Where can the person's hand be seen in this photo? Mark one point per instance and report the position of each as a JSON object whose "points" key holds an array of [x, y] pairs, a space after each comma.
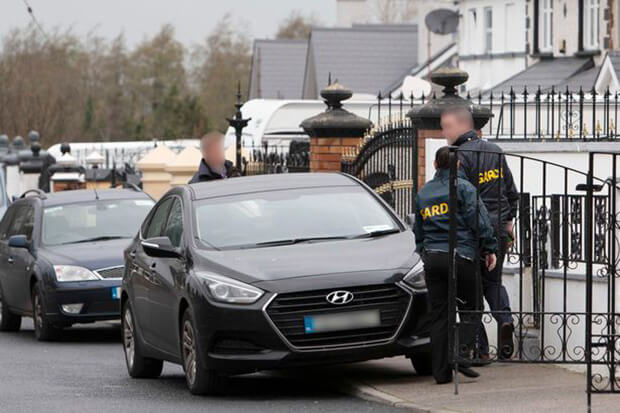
{"points": [[510, 228], [490, 261]]}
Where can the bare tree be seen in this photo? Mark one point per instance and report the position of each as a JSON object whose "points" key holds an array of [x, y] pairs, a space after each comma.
{"points": [[296, 26], [395, 11]]}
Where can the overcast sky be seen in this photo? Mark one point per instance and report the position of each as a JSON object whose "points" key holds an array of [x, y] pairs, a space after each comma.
{"points": [[193, 19]]}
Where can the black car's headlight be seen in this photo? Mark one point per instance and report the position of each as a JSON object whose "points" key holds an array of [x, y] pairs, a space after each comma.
{"points": [[68, 273], [227, 290], [416, 278]]}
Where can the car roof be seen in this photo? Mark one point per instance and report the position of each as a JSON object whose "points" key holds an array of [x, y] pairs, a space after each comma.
{"points": [[271, 182], [84, 195]]}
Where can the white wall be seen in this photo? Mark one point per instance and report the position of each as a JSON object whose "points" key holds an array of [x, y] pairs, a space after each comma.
{"points": [[509, 36]]}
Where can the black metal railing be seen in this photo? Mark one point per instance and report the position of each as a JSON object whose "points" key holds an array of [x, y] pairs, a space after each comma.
{"points": [[276, 159], [528, 115]]}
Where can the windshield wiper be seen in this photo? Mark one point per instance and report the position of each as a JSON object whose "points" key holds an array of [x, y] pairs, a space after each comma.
{"points": [[297, 241], [94, 239], [379, 233]]}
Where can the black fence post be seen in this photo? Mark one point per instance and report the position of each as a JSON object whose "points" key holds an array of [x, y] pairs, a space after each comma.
{"points": [[452, 278], [238, 123]]}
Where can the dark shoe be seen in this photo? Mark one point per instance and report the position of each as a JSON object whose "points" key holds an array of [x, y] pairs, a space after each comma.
{"points": [[506, 346], [467, 372], [481, 361]]}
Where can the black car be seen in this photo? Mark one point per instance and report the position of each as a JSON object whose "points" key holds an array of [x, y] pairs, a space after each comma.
{"points": [[61, 256], [269, 272]]}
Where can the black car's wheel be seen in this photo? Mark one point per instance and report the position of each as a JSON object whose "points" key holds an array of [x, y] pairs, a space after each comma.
{"points": [[8, 320], [44, 329], [200, 380], [138, 366], [422, 364]]}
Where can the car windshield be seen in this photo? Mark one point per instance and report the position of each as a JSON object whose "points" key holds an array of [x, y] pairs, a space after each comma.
{"points": [[92, 221], [291, 216]]}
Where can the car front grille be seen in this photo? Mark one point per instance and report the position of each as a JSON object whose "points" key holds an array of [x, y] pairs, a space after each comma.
{"points": [[287, 312], [114, 272]]}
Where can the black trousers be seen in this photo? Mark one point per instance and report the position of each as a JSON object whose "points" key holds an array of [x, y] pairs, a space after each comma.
{"points": [[469, 297]]}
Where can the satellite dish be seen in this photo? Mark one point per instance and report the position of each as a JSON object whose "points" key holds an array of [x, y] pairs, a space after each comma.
{"points": [[416, 86], [442, 21]]}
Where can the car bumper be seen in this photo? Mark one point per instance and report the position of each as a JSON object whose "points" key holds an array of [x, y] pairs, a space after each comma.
{"points": [[256, 343], [100, 301]]}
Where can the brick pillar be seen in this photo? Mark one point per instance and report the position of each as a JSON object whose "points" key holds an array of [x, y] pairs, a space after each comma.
{"points": [[427, 117], [334, 131]]}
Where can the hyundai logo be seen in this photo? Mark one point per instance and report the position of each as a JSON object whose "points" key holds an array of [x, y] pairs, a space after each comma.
{"points": [[339, 297]]}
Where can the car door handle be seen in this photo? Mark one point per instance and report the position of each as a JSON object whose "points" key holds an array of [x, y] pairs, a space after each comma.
{"points": [[10, 260], [132, 254], [153, 265]]}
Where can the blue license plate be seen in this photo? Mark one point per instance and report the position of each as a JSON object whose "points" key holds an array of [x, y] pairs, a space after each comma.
{"points": [[342, 321], [116, 293]]}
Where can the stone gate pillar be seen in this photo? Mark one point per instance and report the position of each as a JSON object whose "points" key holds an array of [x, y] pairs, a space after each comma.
{"points": [[426, 117], [333, 131]]}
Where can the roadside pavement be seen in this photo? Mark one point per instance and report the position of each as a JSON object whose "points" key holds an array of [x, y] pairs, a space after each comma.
{"points": [[500, 388]]}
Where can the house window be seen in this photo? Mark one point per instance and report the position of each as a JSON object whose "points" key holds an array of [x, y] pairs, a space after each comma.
{"points": [[546, 26], [591, 25], [488, 29]]}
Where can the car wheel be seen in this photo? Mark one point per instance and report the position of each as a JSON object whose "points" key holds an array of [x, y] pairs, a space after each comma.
{"points": [[138, 366], [200, 380], [44, 330], [8, 320], [422, 364]]}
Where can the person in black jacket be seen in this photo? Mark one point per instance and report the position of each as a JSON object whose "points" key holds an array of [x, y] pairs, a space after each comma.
{"points": [[485, 167], [431, 229], [213, 164]]}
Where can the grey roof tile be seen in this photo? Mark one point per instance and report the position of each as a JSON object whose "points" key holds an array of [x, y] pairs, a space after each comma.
{"points": [[556, 73], [278, 69], [364, 58]]}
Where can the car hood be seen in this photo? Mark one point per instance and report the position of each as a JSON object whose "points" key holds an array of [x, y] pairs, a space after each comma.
{"points": [[395, 251], [91, 255]]}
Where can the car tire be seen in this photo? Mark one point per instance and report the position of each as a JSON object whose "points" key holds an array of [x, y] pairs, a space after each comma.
{"points": [[200, 380], [8, 320], [138, 366], [44, 329], [422, 364]]}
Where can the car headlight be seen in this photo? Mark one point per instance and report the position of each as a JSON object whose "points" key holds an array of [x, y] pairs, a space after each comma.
{"points": [[67, 273], [227, 290], [416, 278]]}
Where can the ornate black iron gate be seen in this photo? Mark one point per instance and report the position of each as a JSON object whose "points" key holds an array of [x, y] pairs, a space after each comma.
{"points": [[559, 274], [387, 161]]}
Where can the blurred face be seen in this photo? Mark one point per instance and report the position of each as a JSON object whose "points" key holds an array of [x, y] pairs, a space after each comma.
{"points": [[213, 152], [453, 126]]}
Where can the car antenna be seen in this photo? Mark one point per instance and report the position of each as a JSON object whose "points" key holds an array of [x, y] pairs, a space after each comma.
{"points": [[96, 194]]}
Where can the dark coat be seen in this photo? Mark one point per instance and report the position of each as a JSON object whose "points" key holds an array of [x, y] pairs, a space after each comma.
{"points": [[486, 167], [205, 173], [432, 221]]}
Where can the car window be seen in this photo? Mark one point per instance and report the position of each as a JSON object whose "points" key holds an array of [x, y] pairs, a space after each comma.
{"points": [[174, 228], [91, 220], [6, 222], [22, 222], [158, 220]]}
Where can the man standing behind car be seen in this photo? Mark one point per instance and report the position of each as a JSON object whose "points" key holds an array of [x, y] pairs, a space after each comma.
{"points": [[213, 164], [487, 170], [432, 236]]}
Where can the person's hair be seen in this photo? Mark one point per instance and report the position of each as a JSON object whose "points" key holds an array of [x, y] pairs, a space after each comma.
{"points": [[210, 137], [460, 112], [442, 157]]}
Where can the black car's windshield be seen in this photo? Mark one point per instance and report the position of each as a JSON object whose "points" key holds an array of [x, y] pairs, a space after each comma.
{"points": [[291, 216], [93, 221]]}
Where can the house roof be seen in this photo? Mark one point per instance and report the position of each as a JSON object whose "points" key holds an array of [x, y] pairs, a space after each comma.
{"points": [[557, 72], [614, 57], [278, 69], [584, 80], [364, 58]]}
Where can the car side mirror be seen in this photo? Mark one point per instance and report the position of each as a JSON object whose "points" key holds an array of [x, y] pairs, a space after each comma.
{"points": [[19, 241], [160, 247], [410, 220]]}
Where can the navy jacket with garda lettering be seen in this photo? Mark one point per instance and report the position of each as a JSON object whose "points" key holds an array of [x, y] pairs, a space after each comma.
{"points": [[485, 165], [432, 221]]}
